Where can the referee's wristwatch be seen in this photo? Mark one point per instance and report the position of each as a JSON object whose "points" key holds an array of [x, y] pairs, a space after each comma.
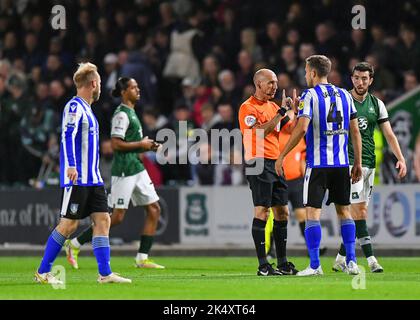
{"points": [[282, 111]]}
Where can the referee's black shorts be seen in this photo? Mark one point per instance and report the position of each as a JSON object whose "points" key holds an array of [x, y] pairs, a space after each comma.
{"points": [[318, 180], [79, 202], [295, 192], [268, 189]]}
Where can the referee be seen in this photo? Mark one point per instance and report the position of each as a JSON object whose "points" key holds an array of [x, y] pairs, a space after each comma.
{"points": [[260, 122]]}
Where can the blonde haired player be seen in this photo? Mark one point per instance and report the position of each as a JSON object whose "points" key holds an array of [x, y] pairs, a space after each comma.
{"points": [[83, 188]]}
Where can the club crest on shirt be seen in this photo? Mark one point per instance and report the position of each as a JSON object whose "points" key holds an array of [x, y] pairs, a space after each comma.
{"points": [[73, 208], [250, 120]]}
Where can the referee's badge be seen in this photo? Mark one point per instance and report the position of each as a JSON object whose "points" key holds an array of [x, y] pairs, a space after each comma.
{"points": [[73, 208], [250, 120]]}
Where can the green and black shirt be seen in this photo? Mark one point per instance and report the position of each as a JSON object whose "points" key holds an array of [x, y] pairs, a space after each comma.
{"points": [[370, 112], [126, 126]]}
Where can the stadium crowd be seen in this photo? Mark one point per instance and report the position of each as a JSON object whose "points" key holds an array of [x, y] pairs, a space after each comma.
{"points": [[194, 62]]}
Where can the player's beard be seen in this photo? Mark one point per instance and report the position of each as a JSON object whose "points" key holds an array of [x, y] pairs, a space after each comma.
{"points": [[310, 83], [361, 92], [96, 94]]}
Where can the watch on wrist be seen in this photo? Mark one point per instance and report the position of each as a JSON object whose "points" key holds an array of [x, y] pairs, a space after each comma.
{"points": [[282, 111]]}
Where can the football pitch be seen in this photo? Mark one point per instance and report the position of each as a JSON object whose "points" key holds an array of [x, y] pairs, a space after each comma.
{"points": [[215, 278]]}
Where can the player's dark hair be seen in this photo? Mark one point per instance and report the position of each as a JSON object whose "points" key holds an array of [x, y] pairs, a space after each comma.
{"points": [[362, 67], [120, 85], [321, 64]]}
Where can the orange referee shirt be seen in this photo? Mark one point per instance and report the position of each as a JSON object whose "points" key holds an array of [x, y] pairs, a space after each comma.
{"points": [[252, 112], [292, 162]]}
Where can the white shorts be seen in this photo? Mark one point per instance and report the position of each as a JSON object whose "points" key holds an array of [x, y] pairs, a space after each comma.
{"points": [[362, 190], [139, 188]]}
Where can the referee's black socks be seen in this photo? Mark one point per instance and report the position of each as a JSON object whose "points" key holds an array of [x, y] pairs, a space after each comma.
{"points": [[258, 234], [280, 239]]}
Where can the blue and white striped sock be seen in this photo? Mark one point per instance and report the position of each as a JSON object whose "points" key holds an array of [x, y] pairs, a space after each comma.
{"points": [[102, 252], [52, 249]]}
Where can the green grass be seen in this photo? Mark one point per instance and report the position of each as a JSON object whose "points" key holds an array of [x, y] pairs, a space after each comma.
{"points": [[209, 278]]}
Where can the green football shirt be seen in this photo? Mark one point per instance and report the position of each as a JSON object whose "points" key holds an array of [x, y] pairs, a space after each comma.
{"points": [[370, 112], [126, 126]]}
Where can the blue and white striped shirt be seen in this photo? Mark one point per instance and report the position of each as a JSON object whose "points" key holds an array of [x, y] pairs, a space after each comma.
{"points": [[330, 110], [79, 144]]}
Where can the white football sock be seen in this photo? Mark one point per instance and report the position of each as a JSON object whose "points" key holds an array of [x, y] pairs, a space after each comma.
{"points": [[75, 243], [142, 256]]}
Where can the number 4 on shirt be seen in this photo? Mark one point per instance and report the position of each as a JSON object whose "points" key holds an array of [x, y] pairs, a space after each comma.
{"points": [[334, 115]]}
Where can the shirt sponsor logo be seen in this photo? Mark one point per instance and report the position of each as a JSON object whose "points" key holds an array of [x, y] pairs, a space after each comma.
{"points": [[335, 132], [363, 123], [301, 105]]}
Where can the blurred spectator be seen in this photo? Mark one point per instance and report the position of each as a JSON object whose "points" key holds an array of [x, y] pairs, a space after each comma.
{"points": [[272, 42], [106, 162], [284, 82], [210, 71], [326, 42], [58, 95], [358, 45], [334, 77], [246, 70], [293, 38], [53, 69], [152, 123], [209, 117], [410, 81], [229, 92], [205, 170], [249, 44], [182, 126], [32, 54], [227, 35], [35, 127], [182, 61], [402, 125], [13, 109], [305, 50], [289, 63], [10, 48], [383, 80], [408, 48]]}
